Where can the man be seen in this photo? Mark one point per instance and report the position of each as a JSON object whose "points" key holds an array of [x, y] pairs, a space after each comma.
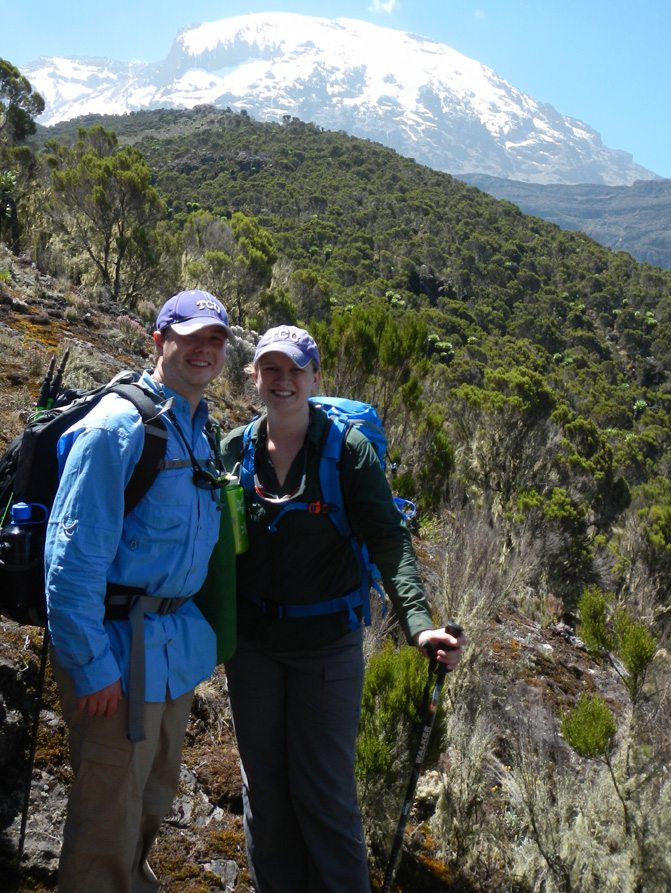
{"points": [[109, 575]]}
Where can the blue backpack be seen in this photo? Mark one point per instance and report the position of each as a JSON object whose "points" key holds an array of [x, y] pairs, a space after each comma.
{"points": [[354, 413], [343, 414]]}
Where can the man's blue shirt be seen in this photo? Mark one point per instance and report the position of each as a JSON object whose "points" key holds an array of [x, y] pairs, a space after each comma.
{"points": [[163, 546]]}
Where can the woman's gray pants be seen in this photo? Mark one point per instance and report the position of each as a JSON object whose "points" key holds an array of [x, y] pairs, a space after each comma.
{"points": [[296, 719]]}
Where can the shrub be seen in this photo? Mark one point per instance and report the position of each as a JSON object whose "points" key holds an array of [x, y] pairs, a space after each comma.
{"points": [[590, 727], [388, 736], [592, 608]]}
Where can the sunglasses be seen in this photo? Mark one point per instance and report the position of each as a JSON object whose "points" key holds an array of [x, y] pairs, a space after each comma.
{"points": [[263, 494]]}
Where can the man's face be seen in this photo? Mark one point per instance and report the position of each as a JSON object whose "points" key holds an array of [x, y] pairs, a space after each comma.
{"points": [[188, 363]]}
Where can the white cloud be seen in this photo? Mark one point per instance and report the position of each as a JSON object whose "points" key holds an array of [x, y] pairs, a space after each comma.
{"points": [[387, 6]]}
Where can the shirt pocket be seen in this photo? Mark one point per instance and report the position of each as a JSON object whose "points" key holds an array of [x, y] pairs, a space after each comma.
{"points": [[167, 510]]}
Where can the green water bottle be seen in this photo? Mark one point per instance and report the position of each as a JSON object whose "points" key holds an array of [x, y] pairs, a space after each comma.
{"points": [[235, 499]]}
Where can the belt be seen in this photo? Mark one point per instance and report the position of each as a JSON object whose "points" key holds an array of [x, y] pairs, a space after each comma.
{"points": [[130, 603], [349, 603]]}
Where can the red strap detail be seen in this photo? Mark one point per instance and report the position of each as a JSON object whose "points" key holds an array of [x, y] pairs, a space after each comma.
{"points": [[317, 507]]}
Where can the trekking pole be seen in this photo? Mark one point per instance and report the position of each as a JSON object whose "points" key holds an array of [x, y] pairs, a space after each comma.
{"points": [[45, 389], [33, 743], [429, 709], [56, 384]]}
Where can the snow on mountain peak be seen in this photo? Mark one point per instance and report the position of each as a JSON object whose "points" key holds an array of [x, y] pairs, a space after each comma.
{"points": [[417, 96]]}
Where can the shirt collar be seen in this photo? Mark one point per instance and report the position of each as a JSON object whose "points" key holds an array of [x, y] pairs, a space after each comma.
{"points": [[180, 404]]}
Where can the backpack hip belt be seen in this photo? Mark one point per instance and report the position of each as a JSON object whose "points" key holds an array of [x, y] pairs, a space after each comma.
{"points": [[130, 603], [349, 603]]}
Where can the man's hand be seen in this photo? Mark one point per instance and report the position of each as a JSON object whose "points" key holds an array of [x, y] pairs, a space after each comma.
{"points": [[101, 703]]}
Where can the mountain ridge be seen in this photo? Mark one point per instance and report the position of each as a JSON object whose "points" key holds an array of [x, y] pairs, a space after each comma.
{"points": [[634, 218]]}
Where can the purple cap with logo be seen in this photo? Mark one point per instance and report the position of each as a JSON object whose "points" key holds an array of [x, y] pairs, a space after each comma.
{"points": [[296, 343], [189, 311]]}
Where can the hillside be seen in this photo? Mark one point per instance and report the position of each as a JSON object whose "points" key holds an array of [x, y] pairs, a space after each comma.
{"points": [[363, 220], [539, 663], [635, 218], [523, 375]]}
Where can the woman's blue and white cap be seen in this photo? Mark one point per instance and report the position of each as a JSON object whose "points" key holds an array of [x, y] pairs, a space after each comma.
{"points": [[189, 311], [296, 343]]}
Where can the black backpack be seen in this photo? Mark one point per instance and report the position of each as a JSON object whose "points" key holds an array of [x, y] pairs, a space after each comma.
{"points": [[29, 480]]}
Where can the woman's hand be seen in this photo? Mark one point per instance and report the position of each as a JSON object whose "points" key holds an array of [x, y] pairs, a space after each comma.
{"points": [[443, 644]]}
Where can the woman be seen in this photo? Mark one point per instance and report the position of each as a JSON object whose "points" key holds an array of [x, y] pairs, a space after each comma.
{"points": [[295, 682]]}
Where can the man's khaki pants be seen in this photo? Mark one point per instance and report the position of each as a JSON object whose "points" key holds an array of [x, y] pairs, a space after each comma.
{"points": [[120, 793]]}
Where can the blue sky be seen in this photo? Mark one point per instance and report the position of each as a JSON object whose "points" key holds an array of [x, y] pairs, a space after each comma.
{"points": [[607, 62]]}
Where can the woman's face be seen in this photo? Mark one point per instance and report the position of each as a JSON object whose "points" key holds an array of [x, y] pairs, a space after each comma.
{"points": [[281, 384]]}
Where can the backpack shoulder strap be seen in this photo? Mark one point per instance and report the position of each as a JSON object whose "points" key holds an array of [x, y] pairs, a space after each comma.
{"points": [[247, 456], [155, 441], [213, 435], [330, 483], [329, 474]]}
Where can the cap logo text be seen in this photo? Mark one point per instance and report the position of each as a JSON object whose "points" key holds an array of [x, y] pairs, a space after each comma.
{"points": [[206, 304], [283, 334]]}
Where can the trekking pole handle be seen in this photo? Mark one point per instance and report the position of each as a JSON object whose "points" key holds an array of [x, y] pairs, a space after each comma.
{"points": [[454, 629]]}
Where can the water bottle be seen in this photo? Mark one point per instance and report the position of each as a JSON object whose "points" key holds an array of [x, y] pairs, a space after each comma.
{"points": [[235, 499], [21, 563], [17, 537]]}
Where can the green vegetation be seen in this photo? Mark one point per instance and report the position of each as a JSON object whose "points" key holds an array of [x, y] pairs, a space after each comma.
{"points": [[632, 754], [106, 211], [614, 633], [392, 714], [590, 727], [19, 104], [391, 718], [524, 376]]}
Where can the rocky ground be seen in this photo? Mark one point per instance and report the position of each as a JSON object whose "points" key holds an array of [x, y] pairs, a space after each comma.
{"points": [[201, 846]]}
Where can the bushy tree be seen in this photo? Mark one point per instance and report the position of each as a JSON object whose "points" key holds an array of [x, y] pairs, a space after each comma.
{"points": [[590, 727], [111, 209], [19, 104], [611, 631], [275, 308], [9, 219], [231, 258], [256, 254]]}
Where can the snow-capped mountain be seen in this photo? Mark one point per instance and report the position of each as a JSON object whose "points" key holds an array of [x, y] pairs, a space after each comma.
{"points": [[421, 98]]}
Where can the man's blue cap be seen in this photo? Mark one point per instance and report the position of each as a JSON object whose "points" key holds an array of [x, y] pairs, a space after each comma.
{"points": [[189, 311], [296, 343]]}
